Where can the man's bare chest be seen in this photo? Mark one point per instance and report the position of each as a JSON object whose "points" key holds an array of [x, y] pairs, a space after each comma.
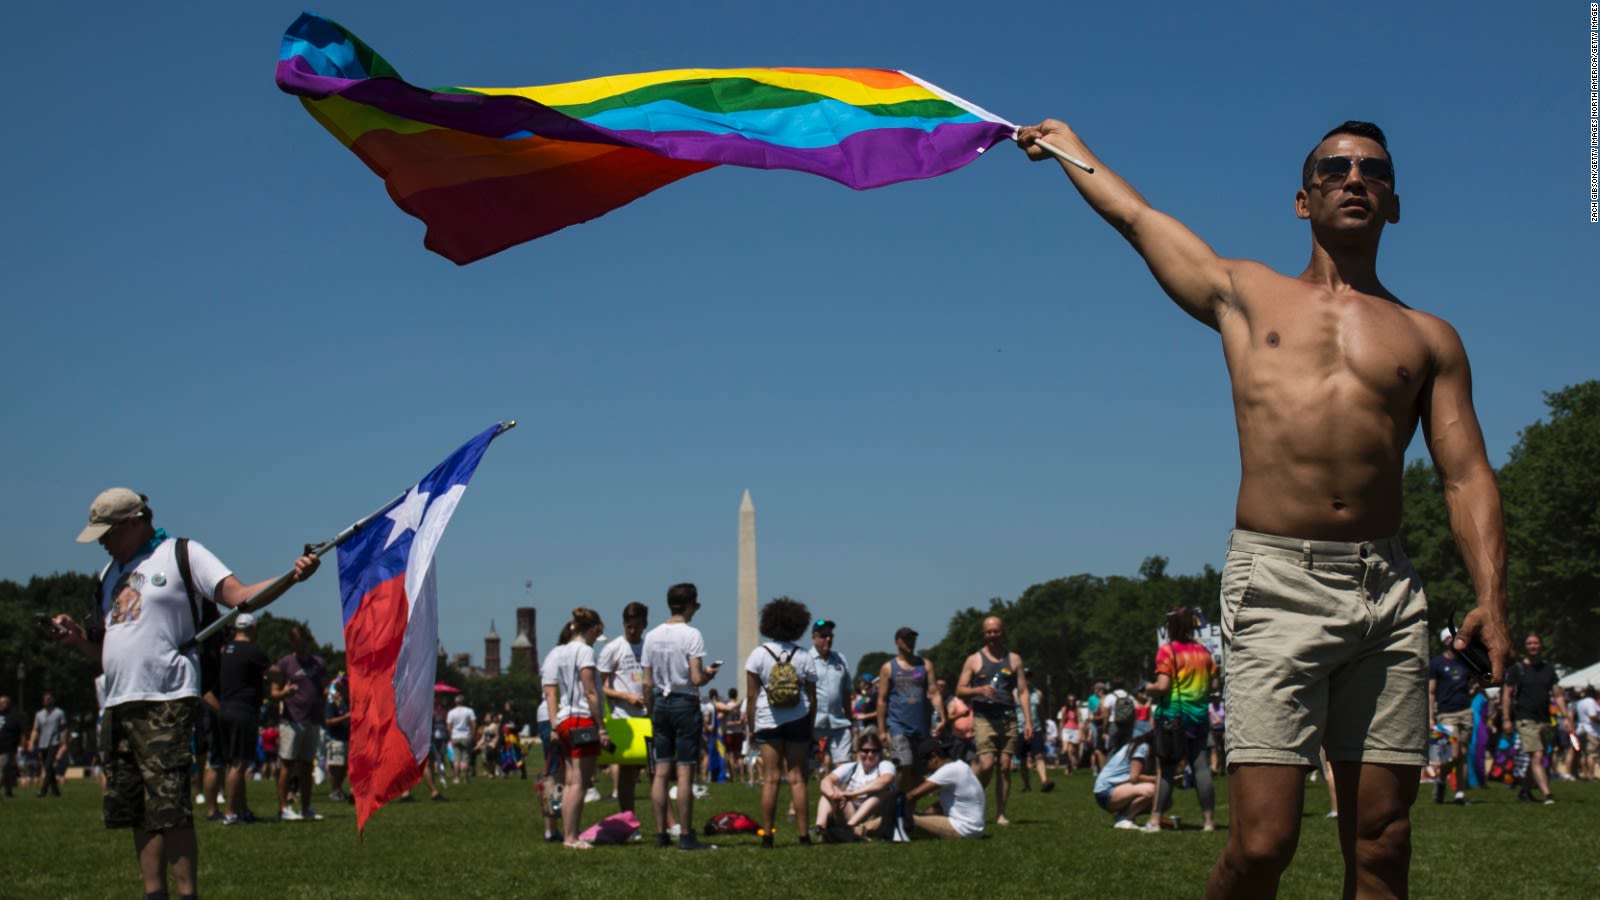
{"points": [[1313, 345]]}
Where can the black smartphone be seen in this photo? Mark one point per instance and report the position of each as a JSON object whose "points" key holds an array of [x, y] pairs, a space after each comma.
{"points": [[1475, 657]]}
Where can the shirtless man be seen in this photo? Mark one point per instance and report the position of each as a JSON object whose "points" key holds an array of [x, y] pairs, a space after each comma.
{"points": [[1331, 375]]}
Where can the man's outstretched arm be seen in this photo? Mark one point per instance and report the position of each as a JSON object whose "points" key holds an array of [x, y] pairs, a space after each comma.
{"points": [[1450, 428], [1191, 273]]}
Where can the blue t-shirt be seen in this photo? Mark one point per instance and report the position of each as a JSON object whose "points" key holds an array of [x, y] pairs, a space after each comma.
{"points": [[1118, 768], [1451, 690]]}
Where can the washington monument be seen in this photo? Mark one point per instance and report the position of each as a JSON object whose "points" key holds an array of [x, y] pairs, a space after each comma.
{"points": [[747, 580]]}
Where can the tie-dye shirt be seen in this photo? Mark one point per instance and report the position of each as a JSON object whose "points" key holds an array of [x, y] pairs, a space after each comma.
{"points": [[1191, 669]]}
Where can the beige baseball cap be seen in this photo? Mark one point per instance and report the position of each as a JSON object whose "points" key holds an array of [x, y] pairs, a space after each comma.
{"points": [[112, 507]]}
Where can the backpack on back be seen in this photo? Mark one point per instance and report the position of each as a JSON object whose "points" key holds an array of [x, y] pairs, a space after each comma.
{"points": [[1122, 713], [783, 682]]}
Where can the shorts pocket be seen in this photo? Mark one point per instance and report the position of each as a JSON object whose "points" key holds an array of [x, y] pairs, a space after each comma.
{"points": [[1237, 574]]}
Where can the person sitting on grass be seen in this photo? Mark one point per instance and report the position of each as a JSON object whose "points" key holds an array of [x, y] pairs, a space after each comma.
{"points": [[855, 795], [1125, 787], [960, 810]]}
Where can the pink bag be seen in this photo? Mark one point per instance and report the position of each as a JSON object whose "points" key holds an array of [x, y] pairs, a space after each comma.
{"points": [[613, 829]]}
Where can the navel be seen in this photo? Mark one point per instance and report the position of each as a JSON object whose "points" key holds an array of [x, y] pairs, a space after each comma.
{"points": [[1272, 339], [1404, 373]]}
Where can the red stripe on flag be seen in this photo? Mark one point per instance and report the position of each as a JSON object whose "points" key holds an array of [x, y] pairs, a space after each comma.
{"points": [[381, 765]]}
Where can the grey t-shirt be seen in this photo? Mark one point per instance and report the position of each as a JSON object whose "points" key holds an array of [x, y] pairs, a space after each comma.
{"points": [[50, 723]]}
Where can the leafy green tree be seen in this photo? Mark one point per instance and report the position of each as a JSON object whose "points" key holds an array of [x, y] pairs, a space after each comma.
{"points": [[1425, 533], [1551, 486], [30, 661], [871, 662]]}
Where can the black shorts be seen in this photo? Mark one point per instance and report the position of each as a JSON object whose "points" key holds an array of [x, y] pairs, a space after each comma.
{"points": [[238, 741], [794, 731], [208, 738]]}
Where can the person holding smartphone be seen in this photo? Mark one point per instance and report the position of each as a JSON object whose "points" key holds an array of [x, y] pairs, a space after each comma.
{"points": [[674, 672]]}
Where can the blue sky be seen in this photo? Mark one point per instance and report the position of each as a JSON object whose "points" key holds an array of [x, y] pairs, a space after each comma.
{"points": [[937, 393]]}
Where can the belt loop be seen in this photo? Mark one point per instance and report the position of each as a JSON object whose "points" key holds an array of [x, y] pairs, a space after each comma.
{"points": [[1305, 554]]}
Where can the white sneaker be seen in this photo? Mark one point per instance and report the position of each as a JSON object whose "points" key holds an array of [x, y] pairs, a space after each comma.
{"points": [[288, 814], [675, 831], [1125, 825], [591, 796]]}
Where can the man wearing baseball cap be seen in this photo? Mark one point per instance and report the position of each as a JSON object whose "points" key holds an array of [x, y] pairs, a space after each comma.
{"points": [[832, 727], [241, 684], [139, 625], [908, 692]]}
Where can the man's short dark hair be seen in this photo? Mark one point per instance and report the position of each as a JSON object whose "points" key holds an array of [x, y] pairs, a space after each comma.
{"points": [[1355, 127], [784, 619], [635, 612], [682, 596]]}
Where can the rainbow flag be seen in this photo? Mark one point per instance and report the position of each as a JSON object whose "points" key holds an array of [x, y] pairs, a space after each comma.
{"points": [[488, 168]]}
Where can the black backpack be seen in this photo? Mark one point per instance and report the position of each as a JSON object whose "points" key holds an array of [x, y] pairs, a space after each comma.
{"points": [[203, 613]]}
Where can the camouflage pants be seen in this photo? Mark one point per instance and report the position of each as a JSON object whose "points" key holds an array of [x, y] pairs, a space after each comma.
{"points": [[148, 757]]}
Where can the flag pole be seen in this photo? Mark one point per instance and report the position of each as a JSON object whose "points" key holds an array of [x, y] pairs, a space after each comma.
{"points": [[285, 581], [1065, 157]]}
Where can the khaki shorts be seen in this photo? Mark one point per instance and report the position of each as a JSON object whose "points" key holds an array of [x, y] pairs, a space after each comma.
{"points": [[1326, 647], [1460, 724], [1531, 733], [996, 735], [338, 752], [299, 742], [147, 765]]}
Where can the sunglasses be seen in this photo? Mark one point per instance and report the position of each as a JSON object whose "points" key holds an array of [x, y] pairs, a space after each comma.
{"points": [[870, 750], [1338, 167]]}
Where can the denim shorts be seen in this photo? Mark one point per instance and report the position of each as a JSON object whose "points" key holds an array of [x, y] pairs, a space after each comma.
{"points": [[676, 725]]}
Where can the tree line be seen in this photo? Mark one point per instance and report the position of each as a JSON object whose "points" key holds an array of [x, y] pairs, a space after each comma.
{"points": [[1075, 630]]}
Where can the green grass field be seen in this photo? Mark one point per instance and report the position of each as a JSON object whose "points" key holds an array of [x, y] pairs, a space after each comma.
{"points": [[485, 842]]}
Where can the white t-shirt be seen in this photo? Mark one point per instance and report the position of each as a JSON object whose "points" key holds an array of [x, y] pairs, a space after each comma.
{"points": [[761, 662], [460, 720], [561, 668], [147, 617], [624, 661], [667, 651], [1587, 712], [961, 797], [854, 776]]}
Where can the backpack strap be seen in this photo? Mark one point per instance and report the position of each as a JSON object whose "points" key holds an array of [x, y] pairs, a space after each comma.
{"points": [[182, 552], [94, 626]]}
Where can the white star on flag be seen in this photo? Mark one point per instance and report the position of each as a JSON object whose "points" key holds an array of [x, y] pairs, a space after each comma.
{"points": [[407, 514]]}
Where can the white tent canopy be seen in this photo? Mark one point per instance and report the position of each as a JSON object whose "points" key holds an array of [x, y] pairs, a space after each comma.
{"points": [[1582, 678]]}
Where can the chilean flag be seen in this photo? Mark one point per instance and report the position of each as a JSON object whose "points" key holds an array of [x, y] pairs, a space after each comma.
{"points": [[391, 629]]}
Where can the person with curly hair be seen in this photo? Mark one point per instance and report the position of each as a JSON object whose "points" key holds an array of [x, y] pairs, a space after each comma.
{"points": [[781, 705]]}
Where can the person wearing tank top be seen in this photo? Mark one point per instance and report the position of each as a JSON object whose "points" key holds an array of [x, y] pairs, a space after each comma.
{"points": [[991, 681], [908, 689]]}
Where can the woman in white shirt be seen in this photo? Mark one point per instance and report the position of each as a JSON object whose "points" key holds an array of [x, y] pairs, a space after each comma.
{"points": [[781, 707], [855, 795], [570, 688]]}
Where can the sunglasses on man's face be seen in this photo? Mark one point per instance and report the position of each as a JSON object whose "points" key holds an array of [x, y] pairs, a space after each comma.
{"points": [[1338, 168], [866, 750]]}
